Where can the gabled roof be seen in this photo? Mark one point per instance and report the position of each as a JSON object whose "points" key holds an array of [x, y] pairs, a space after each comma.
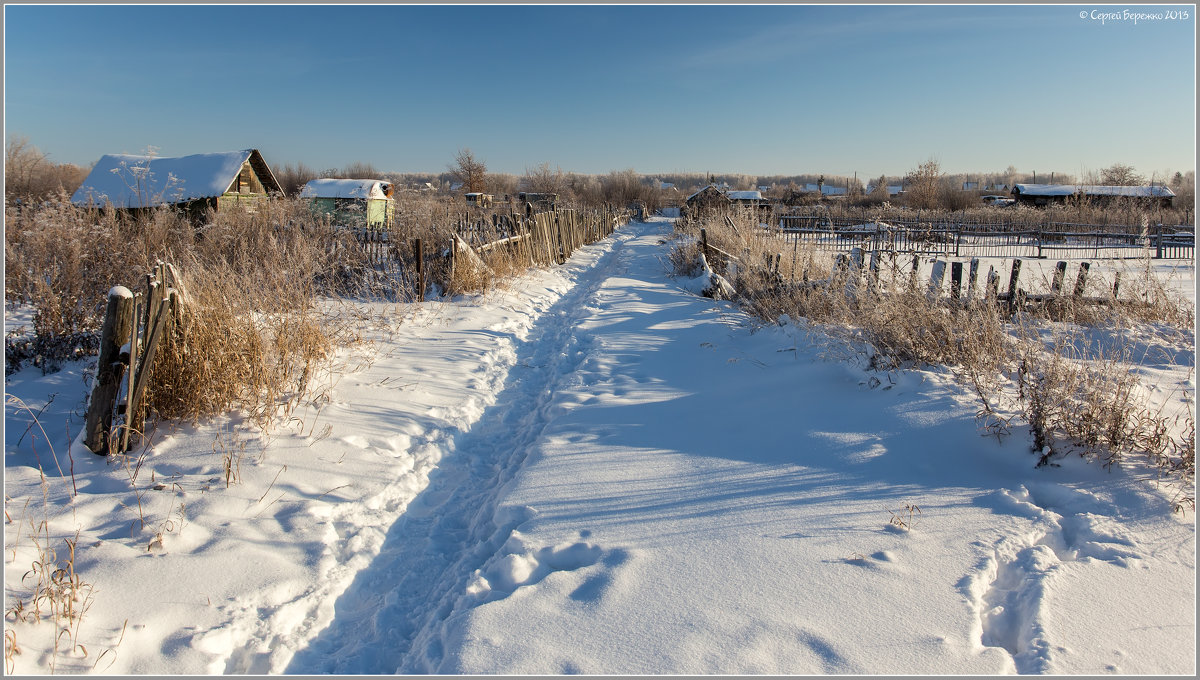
{"points": [[1092, 190], [130, 181], [346, 188], [712, 188]]}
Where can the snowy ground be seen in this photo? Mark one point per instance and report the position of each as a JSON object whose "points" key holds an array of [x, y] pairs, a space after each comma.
{"points": [[597, 471]]}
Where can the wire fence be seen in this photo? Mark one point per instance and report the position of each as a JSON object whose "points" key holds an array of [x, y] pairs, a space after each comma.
{"points": [[965, 239]]}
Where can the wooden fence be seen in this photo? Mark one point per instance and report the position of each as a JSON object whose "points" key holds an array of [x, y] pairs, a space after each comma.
{"points": [[543, 238], [989, 240], [135, 325], [880, 271]]}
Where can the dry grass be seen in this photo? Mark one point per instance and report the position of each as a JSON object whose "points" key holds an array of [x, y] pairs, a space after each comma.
{"points": [[1075, 396]]}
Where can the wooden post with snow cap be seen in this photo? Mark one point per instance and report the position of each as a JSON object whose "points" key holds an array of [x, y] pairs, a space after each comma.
{"points": [[118, 320]]}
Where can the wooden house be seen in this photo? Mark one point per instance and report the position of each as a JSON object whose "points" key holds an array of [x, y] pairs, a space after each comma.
{"points": [[709, 198], [197, 183], [353, 202]]}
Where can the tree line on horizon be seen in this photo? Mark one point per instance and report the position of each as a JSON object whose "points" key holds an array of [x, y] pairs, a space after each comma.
{"points": [[30, 174]]}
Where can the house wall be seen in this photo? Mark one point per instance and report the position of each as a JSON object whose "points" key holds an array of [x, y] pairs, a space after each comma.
{"points": [[356, 212]]}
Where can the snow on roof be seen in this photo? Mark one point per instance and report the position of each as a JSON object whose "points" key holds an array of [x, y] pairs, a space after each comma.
{"points": [[346, 188], [825, 189], [744, 195], [131, 181], [1092, 190]]}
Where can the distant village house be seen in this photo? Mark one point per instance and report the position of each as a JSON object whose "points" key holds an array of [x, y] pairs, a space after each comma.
{"points": [[479, 200]]}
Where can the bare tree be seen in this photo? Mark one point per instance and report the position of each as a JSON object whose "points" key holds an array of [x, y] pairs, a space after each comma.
{"points": [[360, 170], [22, 161], [543, 180], [292, 179], [469, 170], [28, 173], [922, 185], [1119, 174]]}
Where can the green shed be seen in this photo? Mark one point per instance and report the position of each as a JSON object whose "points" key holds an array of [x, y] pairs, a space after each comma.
{"points": [[353, 202]]}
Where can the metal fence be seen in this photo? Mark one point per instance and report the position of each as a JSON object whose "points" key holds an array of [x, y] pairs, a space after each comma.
{"points": [[984, 240]]}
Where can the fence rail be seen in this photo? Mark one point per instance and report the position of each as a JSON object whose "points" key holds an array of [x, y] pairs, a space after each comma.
{"points": [[983, 240]]}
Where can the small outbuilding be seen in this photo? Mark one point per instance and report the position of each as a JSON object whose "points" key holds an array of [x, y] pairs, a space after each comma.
{"points": [[353, 202], [480, 200], [196, 183], [539, 201]]}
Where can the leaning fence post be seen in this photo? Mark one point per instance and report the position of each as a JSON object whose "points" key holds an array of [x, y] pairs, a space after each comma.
{"points": [[118, 317], [704, 243]]}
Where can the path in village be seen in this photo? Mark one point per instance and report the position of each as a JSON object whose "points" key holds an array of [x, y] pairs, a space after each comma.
{"points": [[663, 486]]}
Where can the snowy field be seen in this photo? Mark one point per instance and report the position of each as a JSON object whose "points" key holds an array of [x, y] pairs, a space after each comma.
{"points": [[597, 471]]}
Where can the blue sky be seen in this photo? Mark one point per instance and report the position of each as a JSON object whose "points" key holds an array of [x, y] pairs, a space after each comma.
{"points": [[760, 90]]}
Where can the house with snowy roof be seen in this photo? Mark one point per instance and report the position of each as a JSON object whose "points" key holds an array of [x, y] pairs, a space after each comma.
{"points": [[714, 197], [352, 202], [825, 189], [1045, 194], [196, 183]]}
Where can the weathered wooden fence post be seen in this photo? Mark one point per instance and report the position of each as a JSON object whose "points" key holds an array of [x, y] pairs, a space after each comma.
{"points": [[1060, 272], [704, 243], [118, 319], [1081, 280], [1013, 288], [419, 256]]}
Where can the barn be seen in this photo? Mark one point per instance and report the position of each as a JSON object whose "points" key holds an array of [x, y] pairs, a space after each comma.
{"points": [[1045, 194], [196, 183], [353, 202]]}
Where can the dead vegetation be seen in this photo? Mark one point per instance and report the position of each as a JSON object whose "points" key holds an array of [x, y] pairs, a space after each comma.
{"points": [[1037, 365]]}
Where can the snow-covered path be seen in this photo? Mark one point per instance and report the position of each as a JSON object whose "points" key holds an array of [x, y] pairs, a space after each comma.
{"points": [[663, 486], [599, 471]]}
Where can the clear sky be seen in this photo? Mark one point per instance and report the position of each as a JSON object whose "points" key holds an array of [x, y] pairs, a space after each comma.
{"points": [[760, 90]]}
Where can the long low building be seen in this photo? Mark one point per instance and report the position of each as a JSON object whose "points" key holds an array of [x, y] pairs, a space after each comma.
{"points": [[1044, 194]]}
